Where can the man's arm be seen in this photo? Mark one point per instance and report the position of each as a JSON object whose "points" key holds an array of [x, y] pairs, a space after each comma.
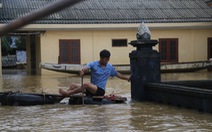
{"points": [[83, 71], [123, 77]]}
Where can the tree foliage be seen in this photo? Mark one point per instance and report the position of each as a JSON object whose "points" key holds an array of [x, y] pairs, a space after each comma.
{"points": [[20, 43], [5, 43]]}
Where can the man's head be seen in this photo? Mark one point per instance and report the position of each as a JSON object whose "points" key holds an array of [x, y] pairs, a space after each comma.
{"points": [[104, 56]]}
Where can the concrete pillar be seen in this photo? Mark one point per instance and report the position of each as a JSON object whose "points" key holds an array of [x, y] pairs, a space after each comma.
{"points": [[0, 59], [38, 54], [33, 54], [145, 68], [28, 51]]}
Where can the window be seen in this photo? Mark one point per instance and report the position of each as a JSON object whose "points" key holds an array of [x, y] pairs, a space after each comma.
{"points": [[69, 51], [168, 49], [119, 42], [209, 48]]}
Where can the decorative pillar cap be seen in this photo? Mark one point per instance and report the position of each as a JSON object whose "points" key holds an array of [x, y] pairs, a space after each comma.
{"points": [[143, 38]]}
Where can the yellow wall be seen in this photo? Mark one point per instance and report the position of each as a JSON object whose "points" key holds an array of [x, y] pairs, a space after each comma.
{"points": [[50, 44], [91, 43], [192, 43]]}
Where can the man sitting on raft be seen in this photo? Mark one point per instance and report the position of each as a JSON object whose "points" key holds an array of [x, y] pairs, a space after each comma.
{"points": [[100, 71]]}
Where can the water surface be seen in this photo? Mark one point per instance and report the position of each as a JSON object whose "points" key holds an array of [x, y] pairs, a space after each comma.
{"points": [[135, 116]]}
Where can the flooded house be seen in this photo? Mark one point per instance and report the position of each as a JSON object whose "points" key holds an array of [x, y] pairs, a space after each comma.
{"points": [[76, 34]]}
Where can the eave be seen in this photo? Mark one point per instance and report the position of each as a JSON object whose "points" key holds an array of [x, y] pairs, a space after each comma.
{"points": [[39, 27]]}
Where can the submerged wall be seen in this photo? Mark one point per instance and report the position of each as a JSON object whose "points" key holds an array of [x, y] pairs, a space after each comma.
{"points": [[191, 95]]}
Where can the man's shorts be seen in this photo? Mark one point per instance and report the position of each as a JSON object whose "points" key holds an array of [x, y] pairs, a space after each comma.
{"points": [[99, 92]]}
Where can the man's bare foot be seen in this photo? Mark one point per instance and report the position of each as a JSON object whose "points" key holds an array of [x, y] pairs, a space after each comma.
{"points": [[63, 92]]}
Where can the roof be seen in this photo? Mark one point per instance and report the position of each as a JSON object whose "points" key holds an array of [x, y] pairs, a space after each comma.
{"points": [[113, 11]]}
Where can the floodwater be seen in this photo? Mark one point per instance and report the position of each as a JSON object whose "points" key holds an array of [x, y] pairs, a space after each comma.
{"points": [[132, 116]]}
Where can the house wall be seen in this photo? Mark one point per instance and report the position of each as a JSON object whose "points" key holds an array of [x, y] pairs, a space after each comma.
{"points": [[91, 43], [192, 43]]}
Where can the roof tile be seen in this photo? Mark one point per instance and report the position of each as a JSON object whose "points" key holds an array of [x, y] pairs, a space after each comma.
{"points": [[113, 11]]}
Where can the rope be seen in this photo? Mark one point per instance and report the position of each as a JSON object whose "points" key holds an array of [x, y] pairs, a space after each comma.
{"points": [[8, 96], [44, 98]]}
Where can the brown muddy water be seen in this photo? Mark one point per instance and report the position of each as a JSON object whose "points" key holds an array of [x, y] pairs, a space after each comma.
{"points": [[132, 116]]}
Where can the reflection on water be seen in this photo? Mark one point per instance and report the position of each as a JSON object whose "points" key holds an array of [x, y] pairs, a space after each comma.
{"points": [[158, 117], [134, 116], [200, 75]]}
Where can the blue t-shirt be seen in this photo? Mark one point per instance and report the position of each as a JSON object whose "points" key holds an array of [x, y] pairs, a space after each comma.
{"points": [[99, 75]]}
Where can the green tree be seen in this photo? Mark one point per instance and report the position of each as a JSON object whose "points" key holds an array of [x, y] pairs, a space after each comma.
{"points": [[5, 45], [20, 43], [5, 42]]}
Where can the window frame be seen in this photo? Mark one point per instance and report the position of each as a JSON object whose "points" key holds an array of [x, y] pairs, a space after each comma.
{"points": [[125, 45], [168, 53], [69, 50]]}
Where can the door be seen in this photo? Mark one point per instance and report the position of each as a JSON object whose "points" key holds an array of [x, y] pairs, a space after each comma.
{"points": [[69, 51]]}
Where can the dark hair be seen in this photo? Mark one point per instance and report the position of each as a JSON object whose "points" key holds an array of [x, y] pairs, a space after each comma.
{"points": [[104, 54]]}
